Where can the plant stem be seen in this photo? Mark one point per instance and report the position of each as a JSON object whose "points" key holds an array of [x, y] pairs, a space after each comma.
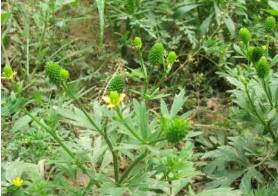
{"points": [[61, 143], [133, 164], [267, 92], [266, 126], [104, 133], [114, 155], [128, 127], [144, 70], [82, 108], [27, 56]]}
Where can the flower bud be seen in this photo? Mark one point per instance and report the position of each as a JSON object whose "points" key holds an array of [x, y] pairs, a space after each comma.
{"points": [[171, 58], [64, 74], [257, 53], [53, 72], [175, 129], [263, 67], [114, 99], [137, 43], [156, 54], [8, 72], [245, 35], [270, 24], [116, 84]]}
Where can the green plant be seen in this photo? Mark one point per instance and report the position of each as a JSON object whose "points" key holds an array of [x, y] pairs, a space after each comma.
{"points": [[156, 61], [118, 127], [255, 99]]}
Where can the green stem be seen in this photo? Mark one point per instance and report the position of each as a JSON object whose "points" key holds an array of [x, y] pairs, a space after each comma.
{"points": [[266, 126], [104, 133], [159, 82], [27, 56], [144, 70], [70, 94], [114, 155], [61, 143], [267, 92], [133, 164], [128, 127]]}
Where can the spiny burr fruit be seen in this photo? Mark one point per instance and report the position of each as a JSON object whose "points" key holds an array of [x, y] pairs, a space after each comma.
{"points": [[137, 43], [245, 35], [175, 129], [270, 24], [257, 53], [116, 84], [263, 67], [53, 72], [156, 54]]}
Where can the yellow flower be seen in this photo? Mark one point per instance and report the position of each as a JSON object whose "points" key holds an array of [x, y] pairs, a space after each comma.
{"points": [[17, 182], [114, 99]]}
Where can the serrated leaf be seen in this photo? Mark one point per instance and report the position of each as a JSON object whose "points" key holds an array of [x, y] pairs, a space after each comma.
{"points": [[163, 108], [141, 115], [246, 181], [230, 25], [178, 102], [205, 24], [184, 9], [21, 123], [220, 192]]}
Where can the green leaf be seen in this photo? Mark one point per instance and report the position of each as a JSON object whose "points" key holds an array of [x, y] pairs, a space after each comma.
{"points": [[184, 9], [163, 108], [238, 49], [178, 102], [217, 12], [100, 7], [21, 123], [272, 12], [220, 192], [5, 17], [249, 176], [273, 4], [141, 113], [230, 25], [205, 24]]}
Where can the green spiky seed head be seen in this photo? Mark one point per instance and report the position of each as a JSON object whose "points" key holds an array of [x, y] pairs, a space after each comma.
{"points": [[263, 67], [8, 72], [270, 24], [156, 54], [137, 43], [257, 53], [116, 84], [245, 35], [171, 58], [175, 129], [64, 74], [53, 72]]}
